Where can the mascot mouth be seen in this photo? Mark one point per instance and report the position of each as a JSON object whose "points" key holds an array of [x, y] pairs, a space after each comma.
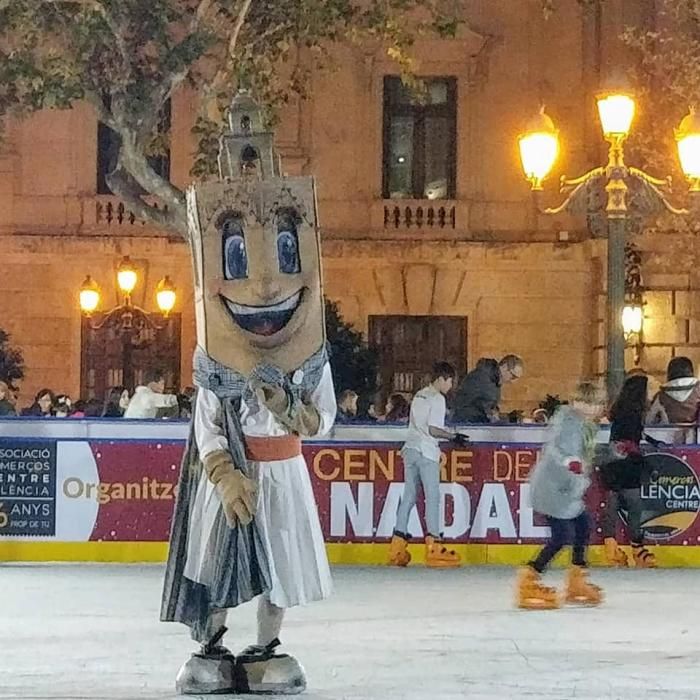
{"points": [[264, 320]]}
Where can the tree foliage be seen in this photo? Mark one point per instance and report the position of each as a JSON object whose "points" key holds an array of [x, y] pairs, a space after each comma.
{"points": [[354, 364], [11, 361], [127, 57]]}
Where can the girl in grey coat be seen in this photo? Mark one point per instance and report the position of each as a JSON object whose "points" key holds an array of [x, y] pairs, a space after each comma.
{"points": [[558, 484]]}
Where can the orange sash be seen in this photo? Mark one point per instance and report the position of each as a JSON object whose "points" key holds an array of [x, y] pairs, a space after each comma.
{"points": [[272, 449]]}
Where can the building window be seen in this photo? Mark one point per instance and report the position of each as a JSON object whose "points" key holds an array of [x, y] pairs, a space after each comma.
{"points": [[420, 140], [407, 347], [111, 358], [108, 143]]}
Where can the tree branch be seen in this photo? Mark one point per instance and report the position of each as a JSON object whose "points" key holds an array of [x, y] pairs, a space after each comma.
{"points": [[132, 160], [238, 26], [209, 107], [121, 185], [103, 114]]}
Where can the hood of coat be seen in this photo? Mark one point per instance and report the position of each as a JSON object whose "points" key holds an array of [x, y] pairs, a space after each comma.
{"points": [[681, 389]]}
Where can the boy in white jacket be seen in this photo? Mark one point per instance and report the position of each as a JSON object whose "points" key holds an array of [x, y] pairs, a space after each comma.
{"points": [[558, 484]]}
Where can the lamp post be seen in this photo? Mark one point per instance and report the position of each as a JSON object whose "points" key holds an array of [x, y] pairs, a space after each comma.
{"points": [[128, 319], [539, 147]]}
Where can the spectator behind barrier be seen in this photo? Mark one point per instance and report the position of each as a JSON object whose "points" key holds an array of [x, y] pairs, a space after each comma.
{"points": [[678, 400], [479, 394], [397, 409], [116, 402], [43, 405], [148, 399], [347, 407], [7, 408]]}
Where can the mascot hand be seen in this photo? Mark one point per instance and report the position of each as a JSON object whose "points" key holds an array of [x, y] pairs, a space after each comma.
{"points": [[306, 420], [302, 419], [237, 492], [272, 396]]}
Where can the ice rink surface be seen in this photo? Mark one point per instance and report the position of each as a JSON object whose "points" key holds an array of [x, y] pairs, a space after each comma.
{"points": [[83, 632]]}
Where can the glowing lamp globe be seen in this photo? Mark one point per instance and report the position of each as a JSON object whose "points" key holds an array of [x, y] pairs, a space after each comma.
{"points": [[166, 295], [616, 111], [89, 295], [688, 142], [126, 276], [632, 319], [539, 148]]}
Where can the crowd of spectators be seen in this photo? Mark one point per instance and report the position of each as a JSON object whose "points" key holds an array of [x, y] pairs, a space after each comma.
{"points": [[148, 401], [476, 400]]}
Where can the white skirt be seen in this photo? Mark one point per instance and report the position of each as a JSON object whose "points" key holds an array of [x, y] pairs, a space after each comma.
{"points": [[287, 518]]}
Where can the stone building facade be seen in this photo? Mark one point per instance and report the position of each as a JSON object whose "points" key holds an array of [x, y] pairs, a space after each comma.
{"points": [[431, 237]]}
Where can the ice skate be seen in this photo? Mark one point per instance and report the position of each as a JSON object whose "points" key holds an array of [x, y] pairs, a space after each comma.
{"points": [[614, 555], [210, 671], [531, 594], [398, 554], [643, 558], [263, 671], [438, 556], [579, 590]]}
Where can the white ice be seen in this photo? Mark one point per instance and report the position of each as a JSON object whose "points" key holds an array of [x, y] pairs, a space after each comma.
{"points": [[92, 631]]}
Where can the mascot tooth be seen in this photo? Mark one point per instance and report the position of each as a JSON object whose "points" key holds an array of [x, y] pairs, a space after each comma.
{"points": [[246, 524]]}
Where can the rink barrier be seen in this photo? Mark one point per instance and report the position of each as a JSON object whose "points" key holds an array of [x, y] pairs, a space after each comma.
{"points": [[103, 491]]}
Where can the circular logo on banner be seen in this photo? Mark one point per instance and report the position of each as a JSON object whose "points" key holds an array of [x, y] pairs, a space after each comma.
{"points": [[670, 496]]}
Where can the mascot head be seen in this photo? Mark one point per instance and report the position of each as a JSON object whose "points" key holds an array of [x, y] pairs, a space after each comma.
{"points": [[256, 254]]}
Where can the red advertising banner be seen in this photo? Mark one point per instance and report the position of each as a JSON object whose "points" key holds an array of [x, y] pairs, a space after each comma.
{"points": [[485, 492]]}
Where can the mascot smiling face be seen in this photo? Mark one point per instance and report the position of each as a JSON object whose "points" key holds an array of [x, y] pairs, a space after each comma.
{"points": [[257, 271]]}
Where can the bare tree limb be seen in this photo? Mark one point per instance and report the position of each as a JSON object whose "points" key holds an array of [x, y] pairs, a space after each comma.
{"points": [[103, 114], [121, 185], [209, 107], [133, 160], [238, 26]]}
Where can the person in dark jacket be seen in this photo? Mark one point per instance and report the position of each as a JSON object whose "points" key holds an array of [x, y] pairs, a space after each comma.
{"points": [[7, 408], [43, 405], [479, 394], [622, 475]]}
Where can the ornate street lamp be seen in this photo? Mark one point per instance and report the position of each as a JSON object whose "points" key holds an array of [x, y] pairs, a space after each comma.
{"points": [[688, 141], [616, 109], [539, 148], [128, 320], [126, 313]]}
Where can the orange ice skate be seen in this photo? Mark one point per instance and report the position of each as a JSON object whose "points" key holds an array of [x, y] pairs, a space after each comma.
{"points": [[614, 554], [579, 590], [643, 558], [531, 594], [398, 553], [438, 556]]}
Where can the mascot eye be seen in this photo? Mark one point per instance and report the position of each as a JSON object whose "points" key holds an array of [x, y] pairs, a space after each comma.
{"points": [[235, 254], [288, 251]]}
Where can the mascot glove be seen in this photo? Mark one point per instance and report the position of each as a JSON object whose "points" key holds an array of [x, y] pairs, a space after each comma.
{"points": [[303, 419], [274, 397], [237, 492]]}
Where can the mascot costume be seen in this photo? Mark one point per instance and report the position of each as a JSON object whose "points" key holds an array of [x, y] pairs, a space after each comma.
{"points": [[246, 523]]}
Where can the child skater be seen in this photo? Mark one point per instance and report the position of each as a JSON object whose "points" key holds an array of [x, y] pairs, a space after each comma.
{"points": [[558, 484]]}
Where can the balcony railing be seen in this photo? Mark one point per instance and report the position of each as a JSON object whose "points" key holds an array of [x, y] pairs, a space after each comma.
{"points": [[112, 211], [420, 215]]}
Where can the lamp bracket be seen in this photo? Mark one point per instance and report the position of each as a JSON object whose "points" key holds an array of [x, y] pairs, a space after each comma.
{"points": [[129, 318]]}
